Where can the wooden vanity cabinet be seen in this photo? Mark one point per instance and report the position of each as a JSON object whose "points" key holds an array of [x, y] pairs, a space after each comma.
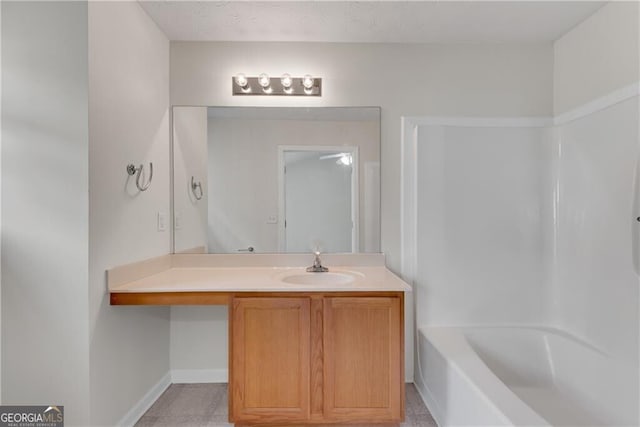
{"points": [[362, 359], [317, 359], [270, 364]]}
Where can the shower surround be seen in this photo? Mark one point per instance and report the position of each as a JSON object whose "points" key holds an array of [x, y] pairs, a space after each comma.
{"points": [[526, 227]]}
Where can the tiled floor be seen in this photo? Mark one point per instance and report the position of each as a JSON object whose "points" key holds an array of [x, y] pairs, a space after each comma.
{"points": [[206, 405]]}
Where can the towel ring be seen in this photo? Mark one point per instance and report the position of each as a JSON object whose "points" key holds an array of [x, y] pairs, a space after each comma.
{"points": [[132, 170], [196, 186]]}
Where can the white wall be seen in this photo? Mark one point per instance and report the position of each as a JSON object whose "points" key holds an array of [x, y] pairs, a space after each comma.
{"points": [[190, 160], [199, 350], [598, 56], [45, 144], [243, 160], [467, 80], [447, 80], [595, 289], [479, 226], [129, 123]]}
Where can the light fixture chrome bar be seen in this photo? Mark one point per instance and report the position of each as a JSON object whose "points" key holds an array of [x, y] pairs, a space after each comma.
{"points": [[275, 88]]}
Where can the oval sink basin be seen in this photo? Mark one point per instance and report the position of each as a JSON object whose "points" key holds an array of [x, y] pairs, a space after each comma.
{"points": [[327, 278]]}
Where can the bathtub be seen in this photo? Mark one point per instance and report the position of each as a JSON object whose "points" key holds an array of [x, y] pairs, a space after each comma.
{"points": [[522, 376]]}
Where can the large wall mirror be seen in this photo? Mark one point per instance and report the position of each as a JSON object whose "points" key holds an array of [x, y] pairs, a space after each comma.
{"points": [[269, 179]]}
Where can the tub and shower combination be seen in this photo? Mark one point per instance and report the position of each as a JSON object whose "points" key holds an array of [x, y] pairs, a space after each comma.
{"points": [[521, 240], [521, 376]]}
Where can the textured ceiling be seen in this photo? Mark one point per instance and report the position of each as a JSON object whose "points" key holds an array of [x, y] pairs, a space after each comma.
{"points": [[369, 21]]}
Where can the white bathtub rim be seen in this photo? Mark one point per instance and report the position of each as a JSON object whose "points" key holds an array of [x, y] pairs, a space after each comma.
{"points": [[528, 326], [452, 341], [497, 395]]}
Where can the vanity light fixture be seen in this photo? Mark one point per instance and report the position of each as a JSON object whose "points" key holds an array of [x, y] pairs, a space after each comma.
{"points": [[265, 83], [307, 82], [284, 86], [242, 83], [286, 81]]}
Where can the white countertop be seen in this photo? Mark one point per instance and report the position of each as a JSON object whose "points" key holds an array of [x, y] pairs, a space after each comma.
{"points": [[260, 279]]}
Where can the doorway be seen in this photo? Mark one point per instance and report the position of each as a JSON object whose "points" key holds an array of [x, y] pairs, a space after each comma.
{"points": [[318, 198]]}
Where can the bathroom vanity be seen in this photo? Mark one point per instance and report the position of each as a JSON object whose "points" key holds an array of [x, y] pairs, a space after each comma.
{"points": [[322, 347], [304, 348]]}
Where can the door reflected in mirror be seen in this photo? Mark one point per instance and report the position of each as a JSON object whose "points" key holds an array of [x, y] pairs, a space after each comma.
{"points": [[264, 180], [319, 199]]}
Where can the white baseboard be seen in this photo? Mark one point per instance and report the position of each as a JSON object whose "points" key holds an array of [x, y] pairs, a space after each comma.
{"points": [[176, 376], [190, 376], [145, 403]]}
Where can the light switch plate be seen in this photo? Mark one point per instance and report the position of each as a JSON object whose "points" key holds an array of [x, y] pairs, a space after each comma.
{"points": [[162, 221], [178, 221], [272, 219]]}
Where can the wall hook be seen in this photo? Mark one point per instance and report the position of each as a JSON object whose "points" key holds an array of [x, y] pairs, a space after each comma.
{"points": [[132, 170], [196, 186]]}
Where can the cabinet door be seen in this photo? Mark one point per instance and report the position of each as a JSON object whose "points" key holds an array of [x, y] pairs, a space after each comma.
{"points": [[362, 355], [270, 359]]}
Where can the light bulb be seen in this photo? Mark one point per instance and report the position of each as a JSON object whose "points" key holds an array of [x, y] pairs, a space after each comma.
{"points": [[264, 80], [307, 81], [286, 81], [241, 80]]}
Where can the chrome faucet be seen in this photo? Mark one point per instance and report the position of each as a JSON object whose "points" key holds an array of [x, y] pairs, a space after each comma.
{"points": [[317, 265]]}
